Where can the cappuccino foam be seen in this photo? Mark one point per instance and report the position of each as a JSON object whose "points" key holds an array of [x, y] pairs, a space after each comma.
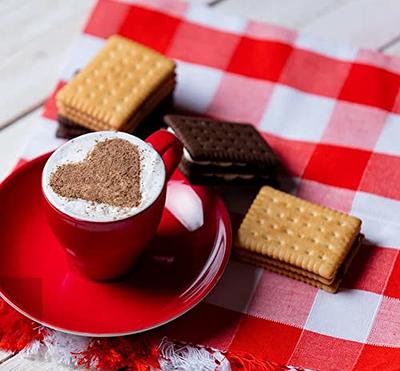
{"points": [[152, 177]]}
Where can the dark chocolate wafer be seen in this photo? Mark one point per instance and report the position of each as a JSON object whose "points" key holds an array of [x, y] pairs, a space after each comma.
{"points": [[219, 151], [69, 129]]}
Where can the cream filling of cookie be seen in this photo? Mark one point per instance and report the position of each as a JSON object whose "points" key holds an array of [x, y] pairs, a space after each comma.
{"points": [[235, 176], [230, 176], [187, 157]]}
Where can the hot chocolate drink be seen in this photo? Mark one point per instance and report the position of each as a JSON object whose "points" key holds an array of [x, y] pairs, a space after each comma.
{"points": [[103, 176]]}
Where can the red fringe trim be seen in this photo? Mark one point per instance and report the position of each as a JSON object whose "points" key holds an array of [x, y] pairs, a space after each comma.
{"points": [[17, 331], [136, 353], [246, 362]]}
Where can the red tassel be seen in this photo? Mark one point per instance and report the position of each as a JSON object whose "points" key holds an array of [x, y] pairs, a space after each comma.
{"points": [[137, 353], [17, 331], [241, 361]]}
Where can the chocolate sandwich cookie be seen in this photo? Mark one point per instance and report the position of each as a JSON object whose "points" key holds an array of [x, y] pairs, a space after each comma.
{"points": [[220, 151]]}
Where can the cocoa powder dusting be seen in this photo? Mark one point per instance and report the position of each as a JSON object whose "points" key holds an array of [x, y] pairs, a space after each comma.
{"points": [[109, 174]]}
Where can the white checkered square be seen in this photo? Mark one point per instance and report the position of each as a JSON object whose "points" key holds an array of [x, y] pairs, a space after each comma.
{"points": [[236, 288], [196, 86], [348, 314], [380, 218], [327, 48], [296, 115], [386, 142], [81, 54], [201, 15], [43, 139]]}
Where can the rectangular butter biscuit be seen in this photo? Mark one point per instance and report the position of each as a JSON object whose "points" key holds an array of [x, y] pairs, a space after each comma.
{"points": [[115, 84], [142, 112], [284, 232]]}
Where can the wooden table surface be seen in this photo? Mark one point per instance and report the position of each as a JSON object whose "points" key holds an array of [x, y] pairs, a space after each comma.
{"points": [[36, 36]]}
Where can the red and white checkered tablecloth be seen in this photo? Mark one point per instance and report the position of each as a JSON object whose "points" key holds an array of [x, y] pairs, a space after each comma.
{"points": [[332, 114]]}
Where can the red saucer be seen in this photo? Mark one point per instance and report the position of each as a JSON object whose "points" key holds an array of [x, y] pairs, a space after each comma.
{"points": [[180, 267]]}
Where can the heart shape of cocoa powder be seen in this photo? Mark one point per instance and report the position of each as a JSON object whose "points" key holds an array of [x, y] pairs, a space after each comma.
{"points": [[109, 174]]}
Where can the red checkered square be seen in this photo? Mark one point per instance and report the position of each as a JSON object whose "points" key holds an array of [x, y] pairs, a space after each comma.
{"points": [[206, 80], [266, 339], [337, 166], [50, 109], [293, 154], [150, 27], [320, 352], [355, 125], [282, 299], [212, 47], [240, 99], [378, 358], [249, 53], [265, 31], [393, 284], [396, 106], [382, 176], [315, 73], [209, 325], [371, 269], [101, 24], [387, 321], [371, 86], [385, 143]]}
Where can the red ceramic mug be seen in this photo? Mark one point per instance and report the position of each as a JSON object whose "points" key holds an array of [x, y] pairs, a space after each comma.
{"points": [[104, 249]]}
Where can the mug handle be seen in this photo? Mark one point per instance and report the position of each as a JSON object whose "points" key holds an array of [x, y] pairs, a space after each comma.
{"points": [[169, 147]]}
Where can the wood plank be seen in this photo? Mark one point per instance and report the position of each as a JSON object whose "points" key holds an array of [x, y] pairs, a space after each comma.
{"points": [[12, 140], [393, 48], [19, 362], [366, 23], [35, 40], [287, 13], [4, 356]]}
